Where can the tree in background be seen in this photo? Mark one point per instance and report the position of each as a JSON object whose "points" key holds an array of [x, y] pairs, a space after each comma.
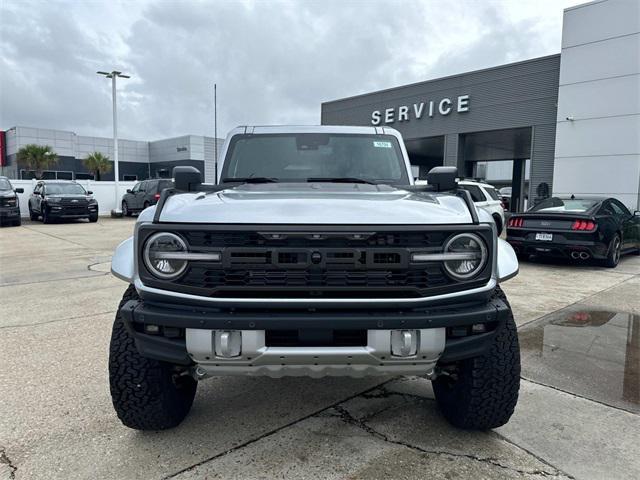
{"points": [[98, 163], [37, 158]]}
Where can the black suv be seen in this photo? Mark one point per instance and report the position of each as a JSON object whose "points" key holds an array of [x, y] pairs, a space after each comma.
{"points": [[62, 199], [143, 195], [9, 203]]}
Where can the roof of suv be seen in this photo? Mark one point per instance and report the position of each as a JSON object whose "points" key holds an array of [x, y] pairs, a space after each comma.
{"points": [[473, 182]]}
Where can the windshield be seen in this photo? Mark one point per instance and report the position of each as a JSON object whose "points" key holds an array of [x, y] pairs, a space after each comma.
{"points": [[555, 204], [4, 184], [64, 188], [298, 157]]}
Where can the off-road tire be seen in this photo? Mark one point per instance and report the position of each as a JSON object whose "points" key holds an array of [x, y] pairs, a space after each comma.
{"points": [[484, 392], [147, 394], [614, 252]]}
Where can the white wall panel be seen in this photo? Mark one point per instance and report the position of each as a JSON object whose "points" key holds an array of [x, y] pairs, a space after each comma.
{"points": [[600, 98], [593, 61], [602, 136], [600, 20]]}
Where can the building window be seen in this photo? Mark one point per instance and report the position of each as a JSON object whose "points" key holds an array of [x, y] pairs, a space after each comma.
{"points": [[130, 178], [47, 175], [85, 176]]}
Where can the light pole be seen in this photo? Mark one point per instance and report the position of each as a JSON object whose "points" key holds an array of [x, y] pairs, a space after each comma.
{"points": [[113, 75]]}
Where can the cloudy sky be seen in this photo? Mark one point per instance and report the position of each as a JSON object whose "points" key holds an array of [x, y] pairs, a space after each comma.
{"points": [[274, 62]]}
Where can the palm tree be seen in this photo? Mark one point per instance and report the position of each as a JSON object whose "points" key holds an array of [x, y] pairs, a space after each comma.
{"points": [[37, 157], [98, 163]]}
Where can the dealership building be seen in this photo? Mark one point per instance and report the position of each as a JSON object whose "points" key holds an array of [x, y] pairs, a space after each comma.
{"points": [[562, 124], [137, 160]]}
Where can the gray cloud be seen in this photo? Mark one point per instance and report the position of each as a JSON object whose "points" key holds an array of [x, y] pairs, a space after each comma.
{"points": [[273, 62]]}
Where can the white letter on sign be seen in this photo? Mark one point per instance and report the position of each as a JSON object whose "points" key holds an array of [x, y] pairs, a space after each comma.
{"points": [[375, 117], [417, 109], [463, 103], [388, 115], [441, 107], [403, 114]]}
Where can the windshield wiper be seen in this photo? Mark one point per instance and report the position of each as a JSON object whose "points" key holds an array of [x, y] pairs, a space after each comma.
{"points": [[341, 180], [249, 180]]}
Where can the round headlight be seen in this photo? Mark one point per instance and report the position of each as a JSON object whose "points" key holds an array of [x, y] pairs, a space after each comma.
{"points": [[473, 256], [162, 255]]}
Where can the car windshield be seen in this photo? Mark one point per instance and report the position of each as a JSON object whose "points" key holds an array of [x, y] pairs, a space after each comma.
{"points": [[327, 156], [555, 204], [64, 188], [492, 193], [4, 184]]}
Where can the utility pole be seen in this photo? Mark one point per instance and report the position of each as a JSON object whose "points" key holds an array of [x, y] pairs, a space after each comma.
{"points": [[113, 75], [215, 131]]}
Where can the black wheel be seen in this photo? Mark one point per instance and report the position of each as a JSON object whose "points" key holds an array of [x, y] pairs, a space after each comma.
{"points": [[32, 216], [615, 250], [147, 394], [45, 216], [18, 222], [481, 393], [145, 205], [125, 209], [93, 218]]}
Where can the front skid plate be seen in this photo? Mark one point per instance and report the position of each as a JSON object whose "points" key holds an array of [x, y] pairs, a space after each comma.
{"points": [[357, 361]]}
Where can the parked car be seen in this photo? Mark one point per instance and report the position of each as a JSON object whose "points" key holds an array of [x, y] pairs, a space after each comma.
{"points": [[577, 228], [314, 255], [143, 195], [62, 199], [505, 196], [9, 203], [486, 197]]}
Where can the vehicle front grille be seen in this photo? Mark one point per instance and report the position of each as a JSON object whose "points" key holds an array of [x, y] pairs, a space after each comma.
{"points": [[73, 206], [8, 202], [364, 262]]}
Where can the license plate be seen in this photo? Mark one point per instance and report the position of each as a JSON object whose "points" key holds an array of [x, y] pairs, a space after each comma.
{"points": [[545, 237]]}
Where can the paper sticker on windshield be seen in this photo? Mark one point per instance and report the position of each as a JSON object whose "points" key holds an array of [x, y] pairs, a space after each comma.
{"points": [[382, 144]]}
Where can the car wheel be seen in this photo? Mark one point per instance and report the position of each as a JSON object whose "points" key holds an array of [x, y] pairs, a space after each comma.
{"points": [[93, 218], [32, 215], [615, 251], [18, 222], [147, 394], [45, 216], [125, 209], [481, 393], [146, 205]]}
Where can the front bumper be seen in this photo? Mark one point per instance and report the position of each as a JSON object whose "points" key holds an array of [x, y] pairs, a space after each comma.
{"points": [[9, 213], [186, 336], [58, 211]]}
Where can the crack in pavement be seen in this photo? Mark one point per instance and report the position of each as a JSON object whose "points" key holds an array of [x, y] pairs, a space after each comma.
{"points": [[4, 460], [360, 423], [577, 395], [271, 432]]}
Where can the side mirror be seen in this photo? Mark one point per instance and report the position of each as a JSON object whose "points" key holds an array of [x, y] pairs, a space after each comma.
{"points": [[186, 178], [129, 190], [443, 178], [89, 192], [636, 213], [19, 190]]}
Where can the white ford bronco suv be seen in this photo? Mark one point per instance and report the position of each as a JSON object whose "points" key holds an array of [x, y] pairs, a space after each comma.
{"points": [[314, 254]]}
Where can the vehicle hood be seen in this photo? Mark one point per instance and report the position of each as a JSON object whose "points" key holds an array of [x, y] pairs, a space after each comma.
{"points": [[68, 195], [316, 203]]}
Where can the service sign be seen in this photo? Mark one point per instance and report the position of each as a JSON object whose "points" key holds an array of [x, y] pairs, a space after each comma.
{"points": [[429, 109]]}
